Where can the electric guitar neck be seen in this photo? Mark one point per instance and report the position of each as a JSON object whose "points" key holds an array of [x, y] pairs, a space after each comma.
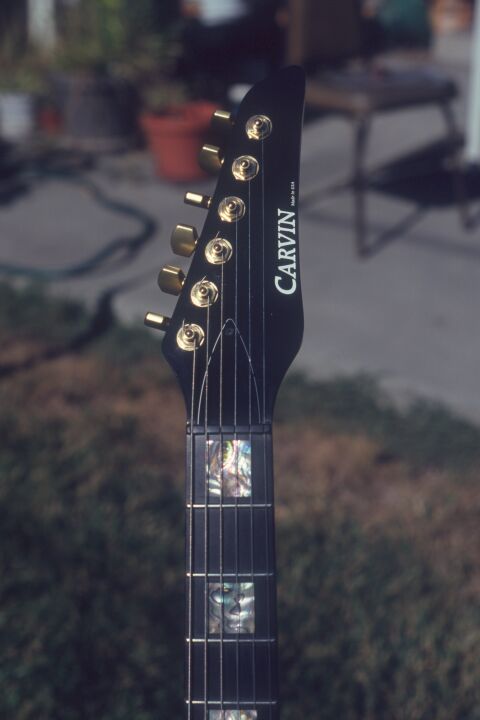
{"points": [[234, 333]]}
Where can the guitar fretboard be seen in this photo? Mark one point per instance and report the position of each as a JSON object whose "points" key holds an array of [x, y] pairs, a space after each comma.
{"points": [[231, 640]]}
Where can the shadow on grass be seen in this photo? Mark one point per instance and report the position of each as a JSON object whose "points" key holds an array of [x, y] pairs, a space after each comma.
{"points": [[64, 326], [368, 630]]}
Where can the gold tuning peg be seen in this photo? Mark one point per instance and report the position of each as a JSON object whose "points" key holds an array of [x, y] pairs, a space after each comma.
{"points": [[157, 322], [197, 200], [171, 279], [184, 240], [221, 121], [210, 159]]}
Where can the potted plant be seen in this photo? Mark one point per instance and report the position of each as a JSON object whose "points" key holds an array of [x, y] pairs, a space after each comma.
{"points": [[98, 107], [175, 127], [97, 103]]}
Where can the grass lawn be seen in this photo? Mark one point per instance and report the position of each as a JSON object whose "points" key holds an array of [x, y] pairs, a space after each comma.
{"points": [[377, 519]]}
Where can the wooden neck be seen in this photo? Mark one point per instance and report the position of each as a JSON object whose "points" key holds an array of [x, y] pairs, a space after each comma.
{"points": [[231, 628]]}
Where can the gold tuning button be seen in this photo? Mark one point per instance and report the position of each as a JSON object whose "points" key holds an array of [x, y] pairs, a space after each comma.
{"points": [[197, 200], [221, 122], [210, 159], [184, 240], [157, 322], [171, 279]]}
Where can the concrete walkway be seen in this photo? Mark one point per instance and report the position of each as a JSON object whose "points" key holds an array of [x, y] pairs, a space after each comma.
{"points": [[409, 315]]}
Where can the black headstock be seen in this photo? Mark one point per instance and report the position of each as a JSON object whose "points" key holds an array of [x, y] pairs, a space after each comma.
{"points": [[238, 322]]}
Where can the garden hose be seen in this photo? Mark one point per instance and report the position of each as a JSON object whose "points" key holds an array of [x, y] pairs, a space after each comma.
{"points": [[129, 245]]}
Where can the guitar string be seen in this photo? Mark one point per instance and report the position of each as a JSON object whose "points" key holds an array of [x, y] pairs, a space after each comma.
{"points": [[252, 526], [220, 416], [267, 519], [206, 520], [235, 420], [190, 546]]}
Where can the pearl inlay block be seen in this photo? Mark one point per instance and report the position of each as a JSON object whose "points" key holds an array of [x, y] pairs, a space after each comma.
{"points": [[229, 468], [231, 608]]}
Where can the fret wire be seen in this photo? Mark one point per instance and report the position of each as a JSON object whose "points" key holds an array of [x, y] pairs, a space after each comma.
{"points": [[231, 429], [202, 506], [232, 640], [233, 702], [229, 575]]}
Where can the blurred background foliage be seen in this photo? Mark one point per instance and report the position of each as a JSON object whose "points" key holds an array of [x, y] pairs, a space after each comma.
{"points": [[115, 31], [95, 34], [377, 544]]}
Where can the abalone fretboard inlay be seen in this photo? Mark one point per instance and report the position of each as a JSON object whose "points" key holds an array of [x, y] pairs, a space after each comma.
{"points": [[237, 616], [229, 468]]}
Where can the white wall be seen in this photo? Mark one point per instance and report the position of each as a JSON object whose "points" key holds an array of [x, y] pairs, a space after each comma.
{"points": [[41, 23]]}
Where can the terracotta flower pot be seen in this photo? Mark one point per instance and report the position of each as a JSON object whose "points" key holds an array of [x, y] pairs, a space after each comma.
{"points": [[49, 120], [176, 137]]}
